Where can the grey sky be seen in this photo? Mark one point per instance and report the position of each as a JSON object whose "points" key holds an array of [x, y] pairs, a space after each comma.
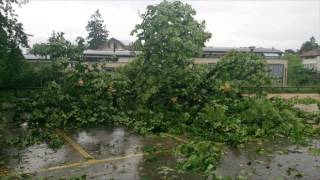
{"points": [[280, 24]]}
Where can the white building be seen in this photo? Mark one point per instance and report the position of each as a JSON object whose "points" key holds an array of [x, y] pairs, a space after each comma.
{"points": [[210, 55], [311, 59]]}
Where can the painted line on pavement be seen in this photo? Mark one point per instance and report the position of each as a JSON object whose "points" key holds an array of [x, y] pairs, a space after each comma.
{"points": [[74, 145], [90, 162]]}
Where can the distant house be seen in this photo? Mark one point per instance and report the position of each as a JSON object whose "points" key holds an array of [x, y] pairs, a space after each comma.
{"points": [[113, 44], [311, 59]]}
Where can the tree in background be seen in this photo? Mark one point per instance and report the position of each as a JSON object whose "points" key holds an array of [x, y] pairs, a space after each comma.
{"points": [[297, 74], [163, 75], [290, 51], [58, 47], [309, 45], [12, 36], [169, 33], [12, 64], [97, 31]]}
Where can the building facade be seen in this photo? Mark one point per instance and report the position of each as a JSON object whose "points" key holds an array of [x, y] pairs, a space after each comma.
{"points": [[210, 55], [311, 60], [114, 54]]}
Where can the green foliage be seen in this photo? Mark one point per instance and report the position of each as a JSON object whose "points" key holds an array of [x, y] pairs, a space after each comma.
{"points": [[297, 74], [164, 75], [200, 157], [53, 71], [87, 96], [247, 118], [97, 31], [12, 34], [234, 71], [242, 69], [170, 35], [163, 91], [309, 45], [314, 151], [58, 47], [36, 136], [13, 68]]}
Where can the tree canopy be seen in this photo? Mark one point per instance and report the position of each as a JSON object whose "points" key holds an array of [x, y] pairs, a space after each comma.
{"points": [[97, 31], [12, 36], [57, 46], [309, 45], [169, 33], [297, 74]]}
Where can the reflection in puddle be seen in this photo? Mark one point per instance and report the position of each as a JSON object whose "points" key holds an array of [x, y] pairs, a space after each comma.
{"points": [[269, 160], [104, 143], [85, 138]]}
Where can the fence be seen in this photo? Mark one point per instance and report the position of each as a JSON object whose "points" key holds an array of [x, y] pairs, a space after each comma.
{"points": [[284, 89]]}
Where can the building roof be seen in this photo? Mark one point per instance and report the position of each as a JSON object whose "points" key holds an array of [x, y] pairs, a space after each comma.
{"points": [[114, 39], [33, 57], [110, 53], [205, 50], [241, 49], [311, 53]]}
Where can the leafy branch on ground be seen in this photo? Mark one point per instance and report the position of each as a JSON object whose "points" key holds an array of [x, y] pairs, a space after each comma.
{"points": [[162, 90]]}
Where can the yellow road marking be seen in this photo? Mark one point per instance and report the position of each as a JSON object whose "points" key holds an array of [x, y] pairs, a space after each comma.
{"points": [[90, 162], [74, 145]]}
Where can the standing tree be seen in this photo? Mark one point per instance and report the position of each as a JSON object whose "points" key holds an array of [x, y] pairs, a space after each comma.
{"points": [[309, 45], [297, 74], [12, 36], [169, 32], [58, 47], [163, 75], [97, 31]]}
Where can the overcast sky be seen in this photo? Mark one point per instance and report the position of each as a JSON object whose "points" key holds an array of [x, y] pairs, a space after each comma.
{"points": [[281, 24]]}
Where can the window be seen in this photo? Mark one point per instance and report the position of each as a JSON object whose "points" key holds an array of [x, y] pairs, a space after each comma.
{"points": [[271, 55]]}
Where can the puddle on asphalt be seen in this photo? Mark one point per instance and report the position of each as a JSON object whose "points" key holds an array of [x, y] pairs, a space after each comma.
{"points": [[108, 143], [262, 161], [41, 156], [35, 157], [271, 160], [111, 142]]}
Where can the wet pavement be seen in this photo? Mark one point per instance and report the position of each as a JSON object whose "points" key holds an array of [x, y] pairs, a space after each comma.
{"points": [[272, 160], [41, 156], [118, 153], [110, 142]]}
